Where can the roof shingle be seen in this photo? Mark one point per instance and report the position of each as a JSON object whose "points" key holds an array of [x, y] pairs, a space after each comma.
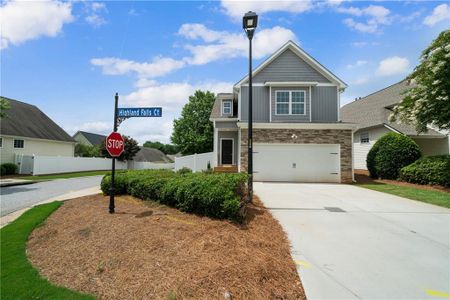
{"points": [[26, 120], [374, 110]]}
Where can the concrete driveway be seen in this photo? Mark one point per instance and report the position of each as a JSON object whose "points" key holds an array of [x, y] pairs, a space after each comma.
{"points": [[354, 243]]}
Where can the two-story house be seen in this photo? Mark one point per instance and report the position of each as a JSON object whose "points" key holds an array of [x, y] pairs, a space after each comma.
{"points": [[297, 132]]}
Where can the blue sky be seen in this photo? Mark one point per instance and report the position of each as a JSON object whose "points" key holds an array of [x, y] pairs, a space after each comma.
{"points": [[69, 58]]}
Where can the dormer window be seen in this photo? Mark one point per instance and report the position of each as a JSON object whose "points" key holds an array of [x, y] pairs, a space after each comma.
{"points": [[227, 107]]}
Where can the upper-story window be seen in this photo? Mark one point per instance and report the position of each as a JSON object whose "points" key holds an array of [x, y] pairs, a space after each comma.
{"points": [[19, 143], [290, 103], [364, 137], [227, 107]]}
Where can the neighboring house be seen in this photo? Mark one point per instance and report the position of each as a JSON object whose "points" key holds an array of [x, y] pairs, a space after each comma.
{"points": [[297, 132], [27, 130], [371, 114], [89, 139], [147, 154]]}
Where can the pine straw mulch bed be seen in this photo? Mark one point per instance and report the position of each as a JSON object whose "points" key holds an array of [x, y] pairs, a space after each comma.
{"points": [[151, 251]]}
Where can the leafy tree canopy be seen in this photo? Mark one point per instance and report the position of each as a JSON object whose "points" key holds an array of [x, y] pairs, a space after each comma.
{"points": [[131, 148], [165, 148], [193, 131], [428, 101], [87, 151], [4, 105]]}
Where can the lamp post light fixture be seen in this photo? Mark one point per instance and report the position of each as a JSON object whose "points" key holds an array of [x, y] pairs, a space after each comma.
{"points": [[249, 23]]}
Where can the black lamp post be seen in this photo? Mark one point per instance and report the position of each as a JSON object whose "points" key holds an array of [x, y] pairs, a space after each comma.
{"points": [[249, 22]]}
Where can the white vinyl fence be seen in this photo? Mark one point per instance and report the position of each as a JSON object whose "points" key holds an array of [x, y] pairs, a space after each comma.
{"points": [[62, 164], [195, 162], [40, 165], [144, 165]]}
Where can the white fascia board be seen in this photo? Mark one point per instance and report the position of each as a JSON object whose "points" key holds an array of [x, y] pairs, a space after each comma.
{"points": [[392, 128], [36, 139], [302, 54], [290, 83], [350, 126]]}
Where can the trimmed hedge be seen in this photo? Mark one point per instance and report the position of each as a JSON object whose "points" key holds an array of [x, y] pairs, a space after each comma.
{"points": [[428, 170], [390, 153], [216, 195], [8, 169]]}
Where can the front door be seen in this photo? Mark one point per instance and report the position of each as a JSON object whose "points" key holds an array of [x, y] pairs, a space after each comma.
{"points": [[227, 152]]}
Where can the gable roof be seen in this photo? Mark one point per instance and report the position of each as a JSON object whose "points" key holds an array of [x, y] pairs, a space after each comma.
{"points": [[151, 155], [93, 138], [302, 55], [375, 109], [217, 106], [26, 120]]}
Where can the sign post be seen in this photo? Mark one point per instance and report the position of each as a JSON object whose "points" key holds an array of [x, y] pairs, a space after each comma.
{"points": [[115, 144]]}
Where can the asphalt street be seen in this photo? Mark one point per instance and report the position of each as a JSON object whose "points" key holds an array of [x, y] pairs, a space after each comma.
{"points": [[18, 197]]}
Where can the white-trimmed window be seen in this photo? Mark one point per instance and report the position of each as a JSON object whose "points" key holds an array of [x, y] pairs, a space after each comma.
{"points": [[1, 142], [290, 103], [19, 144], [227, 107], [364, 137]]}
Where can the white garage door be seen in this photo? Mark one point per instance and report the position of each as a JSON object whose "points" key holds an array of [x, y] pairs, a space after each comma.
{"points": [[296, 162]]}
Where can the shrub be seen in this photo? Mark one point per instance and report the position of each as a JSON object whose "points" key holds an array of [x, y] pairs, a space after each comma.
{"points": [[209, 194], [428, 170], [184, 170], [390, 153], [8, 169]]}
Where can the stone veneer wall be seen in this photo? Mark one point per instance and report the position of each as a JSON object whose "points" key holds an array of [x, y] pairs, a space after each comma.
{"points": [[304, 136]]}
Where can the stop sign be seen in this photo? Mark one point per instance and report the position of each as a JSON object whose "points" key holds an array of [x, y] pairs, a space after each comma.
{"points": [[115, 144]]}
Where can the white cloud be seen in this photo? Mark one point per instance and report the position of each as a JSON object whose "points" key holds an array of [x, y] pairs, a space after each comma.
{"points": [[440, 13], [158, 67], [364, 44], [94, 13], [229, 45], [172, 96], [376, 15], [237, 8], [358, 63], [22, 20], [393, 66]]}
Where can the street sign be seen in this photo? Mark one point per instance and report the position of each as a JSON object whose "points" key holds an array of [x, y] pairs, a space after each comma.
{"points": [[140, 112], [115, 144]]}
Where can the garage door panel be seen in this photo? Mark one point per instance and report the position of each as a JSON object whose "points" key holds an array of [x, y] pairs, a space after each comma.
{"points": [[296, 162]]}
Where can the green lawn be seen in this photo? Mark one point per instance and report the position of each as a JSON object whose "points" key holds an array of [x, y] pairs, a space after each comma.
{"points": [[65, 175], [19, 280], [428, 196]]}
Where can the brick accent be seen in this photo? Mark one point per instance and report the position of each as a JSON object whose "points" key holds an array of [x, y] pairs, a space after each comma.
{"points": [[304, 136]]}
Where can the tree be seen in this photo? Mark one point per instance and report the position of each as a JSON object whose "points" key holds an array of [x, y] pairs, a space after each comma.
{"points": [[4, 105], [428, 101], [165, 148], [87, 151], [193, 131], [131, 148]]}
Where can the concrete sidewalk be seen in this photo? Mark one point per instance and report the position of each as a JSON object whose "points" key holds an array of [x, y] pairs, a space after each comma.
{"points": [[353, 243], [5, 220], [4, 182]]}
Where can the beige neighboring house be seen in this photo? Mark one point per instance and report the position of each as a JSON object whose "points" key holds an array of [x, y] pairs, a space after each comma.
{"points": [[371, 114], [89, 138], [26, 130]]}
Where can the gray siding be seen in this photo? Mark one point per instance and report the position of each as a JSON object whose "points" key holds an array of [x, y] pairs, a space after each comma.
{"points": [[228, 134], [324, 104], [260, 104], [288, 67], [291, 118]]}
